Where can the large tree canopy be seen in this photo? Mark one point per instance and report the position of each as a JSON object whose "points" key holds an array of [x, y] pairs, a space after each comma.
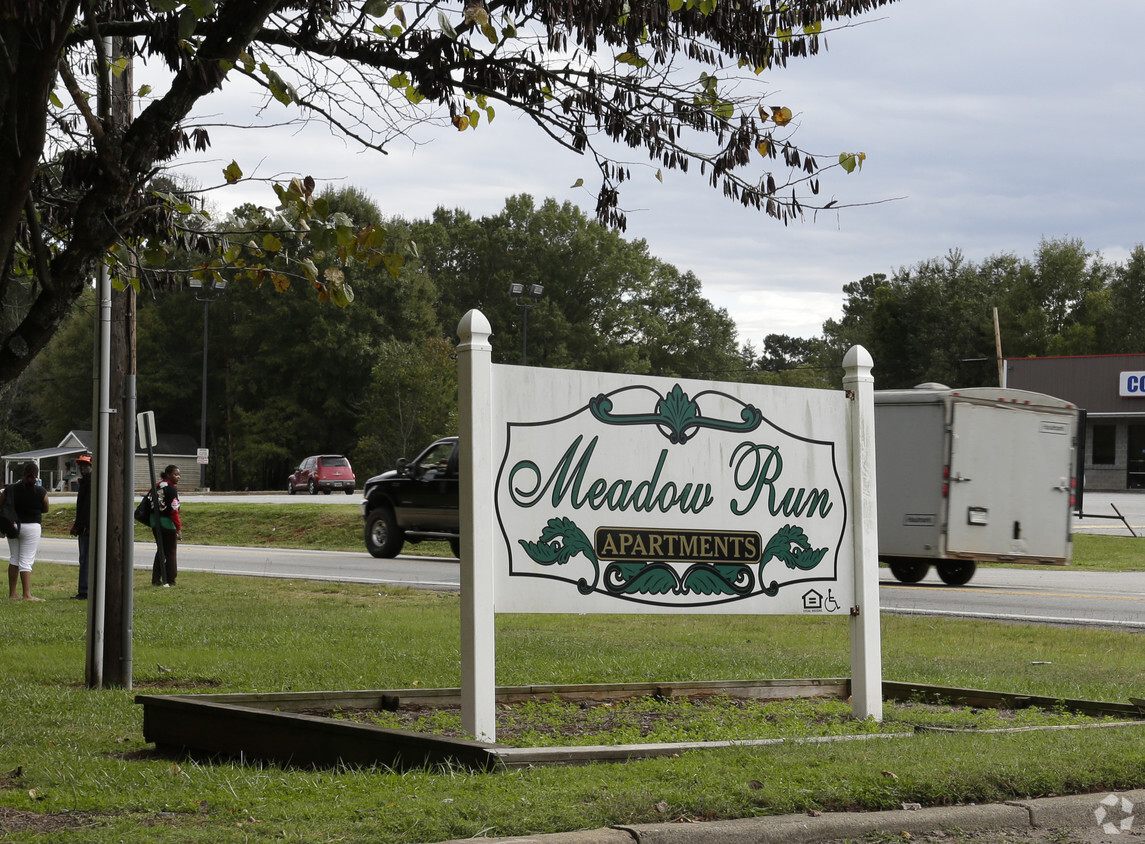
{"points": [[934, 321], [663, 76], [378, 380]]}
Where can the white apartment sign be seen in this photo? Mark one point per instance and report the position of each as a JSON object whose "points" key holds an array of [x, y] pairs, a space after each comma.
{"points": [[621, 494], [588, 492]]}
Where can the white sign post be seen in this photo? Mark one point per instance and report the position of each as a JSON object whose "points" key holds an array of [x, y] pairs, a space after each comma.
{"points": [[475, 468], [866, 643], [589, 492]]}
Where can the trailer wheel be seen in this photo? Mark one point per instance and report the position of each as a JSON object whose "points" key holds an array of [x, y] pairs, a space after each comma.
{"points": [[956, 572], [908, 571]]}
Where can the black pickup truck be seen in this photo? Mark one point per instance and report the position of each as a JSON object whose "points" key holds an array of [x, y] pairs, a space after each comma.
{"points": [[414, 502]]}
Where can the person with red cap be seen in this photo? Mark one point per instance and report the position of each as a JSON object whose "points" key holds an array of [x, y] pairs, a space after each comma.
{"points": [[81, 527]]}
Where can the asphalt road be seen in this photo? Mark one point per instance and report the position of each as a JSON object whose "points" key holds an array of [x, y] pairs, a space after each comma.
{"points": [[1102, 512], [1041, 594], [440, 573], [1046, 594], [1031, 594]]}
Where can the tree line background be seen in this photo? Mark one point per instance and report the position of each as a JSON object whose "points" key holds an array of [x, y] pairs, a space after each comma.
{"points": [[377, 380]]}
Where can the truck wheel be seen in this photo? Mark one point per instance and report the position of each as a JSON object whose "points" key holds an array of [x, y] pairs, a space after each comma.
{"points": [[312, 487], [908, 571], [956, 572], [383, 536]]}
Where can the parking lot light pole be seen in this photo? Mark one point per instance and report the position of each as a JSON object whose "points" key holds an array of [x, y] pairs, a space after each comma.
{"points": [[205, 294], [521, 294]]}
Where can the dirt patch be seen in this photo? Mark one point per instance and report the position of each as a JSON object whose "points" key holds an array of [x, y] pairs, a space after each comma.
{"points": [[695, 718], [17, 820], [566, 720], [194, 685]]}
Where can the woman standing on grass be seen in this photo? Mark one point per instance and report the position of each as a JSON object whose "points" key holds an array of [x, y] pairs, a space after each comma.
{"points": [[30, 501], [165, 516]]}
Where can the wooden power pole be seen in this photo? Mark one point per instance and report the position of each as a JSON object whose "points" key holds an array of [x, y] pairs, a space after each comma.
{"points": [[109, 660]]}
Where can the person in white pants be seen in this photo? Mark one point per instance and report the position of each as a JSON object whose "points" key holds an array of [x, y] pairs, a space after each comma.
{"points": [[30, 501]]}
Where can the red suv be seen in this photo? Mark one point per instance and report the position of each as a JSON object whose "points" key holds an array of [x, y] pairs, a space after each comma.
{"points": [[325, 472]]}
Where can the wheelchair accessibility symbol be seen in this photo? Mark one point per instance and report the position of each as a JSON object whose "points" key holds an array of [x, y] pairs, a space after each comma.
{"points": [[815, 601]]}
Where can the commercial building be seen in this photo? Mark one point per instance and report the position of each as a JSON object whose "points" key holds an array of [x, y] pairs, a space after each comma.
{"points": [[1111, 391]]}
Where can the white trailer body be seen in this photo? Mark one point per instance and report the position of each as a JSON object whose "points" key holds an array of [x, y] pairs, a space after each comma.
{"points": [[984, 473]]}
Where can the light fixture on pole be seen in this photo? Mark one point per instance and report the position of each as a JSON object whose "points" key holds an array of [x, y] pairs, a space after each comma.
{"points": [[205, 293], [522, 293]]}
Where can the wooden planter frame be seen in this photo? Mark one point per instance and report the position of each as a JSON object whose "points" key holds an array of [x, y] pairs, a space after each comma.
{"points": [[273, 728]]}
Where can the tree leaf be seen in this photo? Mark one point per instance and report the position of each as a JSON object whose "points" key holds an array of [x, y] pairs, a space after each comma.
{"points": [[155, 256], [850, 161], [394, 263], [279, 89], [188, 20], [446, 26], [342, 295], [475, 13], [232, 172]]}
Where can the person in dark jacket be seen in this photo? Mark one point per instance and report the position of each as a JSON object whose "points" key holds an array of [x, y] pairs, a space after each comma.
{"points": [[81, 527], [30, 501], [165, 514]]}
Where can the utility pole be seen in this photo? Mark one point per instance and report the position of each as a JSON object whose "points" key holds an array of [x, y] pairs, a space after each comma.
{"points": [[110, 624]]}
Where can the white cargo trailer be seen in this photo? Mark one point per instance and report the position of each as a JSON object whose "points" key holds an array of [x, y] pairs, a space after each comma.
{"points": [[979, 474]]}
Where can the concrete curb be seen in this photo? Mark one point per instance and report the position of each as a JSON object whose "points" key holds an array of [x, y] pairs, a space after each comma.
{"points": [[1078, 811]]}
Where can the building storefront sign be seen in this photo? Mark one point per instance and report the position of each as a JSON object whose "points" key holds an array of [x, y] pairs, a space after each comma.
{"points": [[1132, 385]]}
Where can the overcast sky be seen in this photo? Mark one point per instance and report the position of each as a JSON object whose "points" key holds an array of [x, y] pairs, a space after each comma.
{"points": [[994, 122]]}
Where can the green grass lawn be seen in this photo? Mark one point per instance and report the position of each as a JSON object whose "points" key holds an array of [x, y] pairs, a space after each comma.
{"points": [[77, 756]]}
